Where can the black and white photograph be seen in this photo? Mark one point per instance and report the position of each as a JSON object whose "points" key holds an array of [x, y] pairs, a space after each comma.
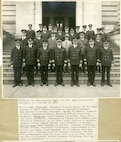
{"points": [[61, 49]]}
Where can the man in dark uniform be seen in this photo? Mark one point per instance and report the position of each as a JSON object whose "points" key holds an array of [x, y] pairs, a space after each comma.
{"points": [[23, 44], [37, 44], [30, 32], [90, 33], [59, 60], [50, 27], [45, 34], [17, 61], [30, 58], [91, 56], [106, 57], [60, 34], [82, 42], [40, 27], [43, 57], [75, 60], [98, 44], [84, 27], [52, 45], [103, 35], [71, 34], [77, 32]]}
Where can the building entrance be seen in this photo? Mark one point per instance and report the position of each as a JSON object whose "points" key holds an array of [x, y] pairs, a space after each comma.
{"points": [[59, 14]]}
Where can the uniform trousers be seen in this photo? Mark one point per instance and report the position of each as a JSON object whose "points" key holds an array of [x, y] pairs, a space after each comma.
{"points": [[30, 73], [83, 63], [44, 74], [59, 73], [75, 73], [106, 69], [17, 75], [91, 73]]}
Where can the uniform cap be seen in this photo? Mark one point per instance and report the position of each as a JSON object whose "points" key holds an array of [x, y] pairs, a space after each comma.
{"points": [[29, 24], [84, 26], [40, 24], [91, 39], [81, 33], [44, 41], [30, 39], [75, 39], [98, 29], [106, 41], [77, 27], [17, 39], [59, 40], [23, 31], [90, 25]]}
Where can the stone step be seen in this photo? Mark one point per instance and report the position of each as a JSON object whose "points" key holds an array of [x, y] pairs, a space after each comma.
{"points": [[10, 74], [9, 69], [67, 80]]}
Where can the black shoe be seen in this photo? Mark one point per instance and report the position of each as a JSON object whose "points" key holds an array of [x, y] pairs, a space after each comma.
{"points": [[27, 84], [93, 84], [62, 84], [88, 84], [110, 85], [20, 84], [14, 85]]}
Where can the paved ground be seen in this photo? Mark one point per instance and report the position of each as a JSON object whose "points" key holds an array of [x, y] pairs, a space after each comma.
{"points": [[60, 92]]}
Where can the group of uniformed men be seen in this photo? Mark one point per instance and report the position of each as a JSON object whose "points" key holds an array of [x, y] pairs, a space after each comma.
{"points": [[69, 50]]}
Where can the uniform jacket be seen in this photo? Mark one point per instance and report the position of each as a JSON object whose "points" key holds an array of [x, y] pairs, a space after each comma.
{"points": [[60, 36], [91, 55], [38, 43], [31, 34], [90, 34], [83, 44], [106, 56], [23, 42], [17, 57], [74, 55], [45, 36], [51, 43], [77, 35], [30, 55], [67, 44], [43, 56], [59, 55]]}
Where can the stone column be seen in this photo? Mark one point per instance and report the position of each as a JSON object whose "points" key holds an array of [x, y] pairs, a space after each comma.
{"points": [[93, 13], [38, 14], [24, 15], [79, 13]]}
